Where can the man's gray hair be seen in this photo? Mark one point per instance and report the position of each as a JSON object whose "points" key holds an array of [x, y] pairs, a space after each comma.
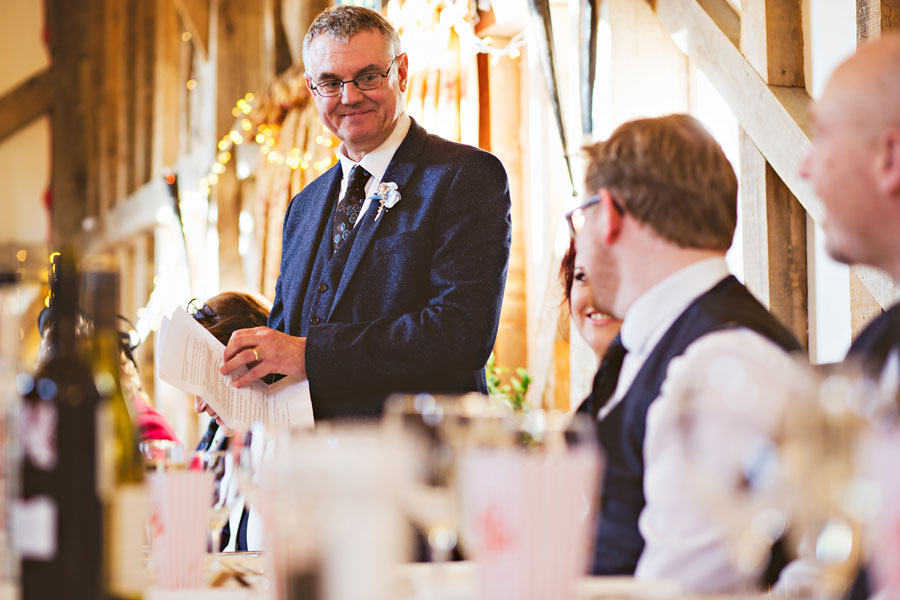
{"points": [[343, 22]]}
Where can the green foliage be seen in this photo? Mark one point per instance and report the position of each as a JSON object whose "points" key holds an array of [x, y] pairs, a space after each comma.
{"points": [[513, 393]]}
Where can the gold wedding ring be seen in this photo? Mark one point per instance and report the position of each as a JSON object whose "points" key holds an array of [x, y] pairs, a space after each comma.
{"points": [[255, 354]]}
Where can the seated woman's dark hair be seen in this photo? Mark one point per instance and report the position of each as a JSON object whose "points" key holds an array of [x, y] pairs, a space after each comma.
{"points": [[567, 271], [225, 313]]}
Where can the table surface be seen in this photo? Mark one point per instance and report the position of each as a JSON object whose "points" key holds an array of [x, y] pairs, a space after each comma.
{"points": [[425, 581]]}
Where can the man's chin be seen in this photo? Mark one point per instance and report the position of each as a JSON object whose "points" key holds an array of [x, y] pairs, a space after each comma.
{"points": [[837, 252]]}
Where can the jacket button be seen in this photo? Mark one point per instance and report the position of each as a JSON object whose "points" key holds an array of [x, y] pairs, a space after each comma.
{"points": [[315, 320], [323, 287]]}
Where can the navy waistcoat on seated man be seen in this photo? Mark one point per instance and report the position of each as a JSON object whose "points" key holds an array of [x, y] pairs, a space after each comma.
{"points": [[728, 305]]}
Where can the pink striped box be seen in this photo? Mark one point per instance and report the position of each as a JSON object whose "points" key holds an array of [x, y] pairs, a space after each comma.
{"points": [[179, 526], [527, 520]]}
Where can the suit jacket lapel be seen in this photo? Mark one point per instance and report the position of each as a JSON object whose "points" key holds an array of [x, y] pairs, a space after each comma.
{"points": [[402, 166], [319, 208]]}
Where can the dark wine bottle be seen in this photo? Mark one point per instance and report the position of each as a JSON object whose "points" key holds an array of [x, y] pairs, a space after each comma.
{"points": [[123, 492], [58, 518]]}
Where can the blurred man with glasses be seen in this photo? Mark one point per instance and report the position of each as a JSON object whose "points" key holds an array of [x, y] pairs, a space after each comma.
{"points": [[394, 261], [701, 369]]}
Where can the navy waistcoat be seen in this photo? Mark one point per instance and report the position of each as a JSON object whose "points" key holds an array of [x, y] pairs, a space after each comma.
{"points": [[325, 277], [728, 305], [873, 345]]}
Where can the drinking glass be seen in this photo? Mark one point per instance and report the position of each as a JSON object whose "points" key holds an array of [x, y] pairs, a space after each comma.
{"points": [[224, 493], [436, 425], [161, 454]]}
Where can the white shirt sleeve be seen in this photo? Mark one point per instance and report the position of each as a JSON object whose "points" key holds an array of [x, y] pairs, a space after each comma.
{"points": [[717, 407]]}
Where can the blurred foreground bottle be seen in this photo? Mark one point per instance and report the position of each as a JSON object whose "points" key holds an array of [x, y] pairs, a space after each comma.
{"points": [[122, 474], [17, 295], [57, 519]]}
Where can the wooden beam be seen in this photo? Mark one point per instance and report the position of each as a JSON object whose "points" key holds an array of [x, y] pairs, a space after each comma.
{"points": [[26, 102], [67, 25], [874, 17], [772, 40], [773, 222], [296, 17], [166, 88], [505, 77], [138, 213], [145, 44], [239, 62], [774, 235], [127, 110], [776, 118], [113, 122], [195, 17], [92, 93]]}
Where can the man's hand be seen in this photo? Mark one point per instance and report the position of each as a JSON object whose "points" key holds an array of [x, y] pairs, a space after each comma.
{"points": [[264, 351]]}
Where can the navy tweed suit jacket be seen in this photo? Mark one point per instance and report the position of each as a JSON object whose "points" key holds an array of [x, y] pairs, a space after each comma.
{"points": [[418, 303]]}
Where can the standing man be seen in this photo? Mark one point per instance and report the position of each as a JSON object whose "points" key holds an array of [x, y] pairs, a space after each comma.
{"points": [[695, 347], [854, 167], [394, 261]]}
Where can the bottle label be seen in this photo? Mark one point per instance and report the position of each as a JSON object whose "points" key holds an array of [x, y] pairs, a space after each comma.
{"points": [[38, 431], [128, 518], [105, 450], [34, 527]]}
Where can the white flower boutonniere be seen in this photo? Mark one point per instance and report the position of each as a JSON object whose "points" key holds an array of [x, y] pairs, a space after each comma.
{"points": [[387, 196]]}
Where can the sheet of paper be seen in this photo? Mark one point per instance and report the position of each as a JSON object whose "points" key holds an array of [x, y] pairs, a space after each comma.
{"points": [[189, 358]]}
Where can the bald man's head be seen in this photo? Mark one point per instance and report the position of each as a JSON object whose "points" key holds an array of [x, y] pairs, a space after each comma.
{"points": [[871, 77], [855, 161]]}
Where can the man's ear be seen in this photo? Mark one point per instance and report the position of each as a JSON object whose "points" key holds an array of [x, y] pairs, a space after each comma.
{"points": [[403, 71], [308, 84], [889, 162], [611, 219]]}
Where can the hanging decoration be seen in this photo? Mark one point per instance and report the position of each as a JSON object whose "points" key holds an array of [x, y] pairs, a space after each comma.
{"points": [[543, 29]]}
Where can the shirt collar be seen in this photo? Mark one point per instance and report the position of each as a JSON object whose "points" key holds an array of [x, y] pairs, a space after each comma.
{"points": [[377, 161], [656, 309]]}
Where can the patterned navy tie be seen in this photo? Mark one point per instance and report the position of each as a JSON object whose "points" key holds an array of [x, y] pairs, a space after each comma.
{"points": [[347, 211]]}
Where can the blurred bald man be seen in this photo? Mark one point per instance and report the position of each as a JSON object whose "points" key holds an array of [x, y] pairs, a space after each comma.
{"points": [[854, 167]]}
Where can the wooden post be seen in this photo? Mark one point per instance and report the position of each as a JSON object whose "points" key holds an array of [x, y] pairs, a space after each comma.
{"points": [[774, 222], [505, 81], [238, 58], [67, 25], [145, 55], [113, 119], [127, 111], [772, 40], [874, 17], [774, 232], [166, 88]]}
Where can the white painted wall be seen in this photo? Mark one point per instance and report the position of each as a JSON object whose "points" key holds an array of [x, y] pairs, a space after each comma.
{"points": [[830, 28], [24, 156]]}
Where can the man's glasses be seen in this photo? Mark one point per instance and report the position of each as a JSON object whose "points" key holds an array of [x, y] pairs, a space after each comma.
{"points": [[364, 82], [576, 218]]}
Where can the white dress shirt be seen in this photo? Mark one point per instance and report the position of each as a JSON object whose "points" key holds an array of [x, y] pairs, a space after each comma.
{"points": [[375, 162], [734, 384], [653, 313]]}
